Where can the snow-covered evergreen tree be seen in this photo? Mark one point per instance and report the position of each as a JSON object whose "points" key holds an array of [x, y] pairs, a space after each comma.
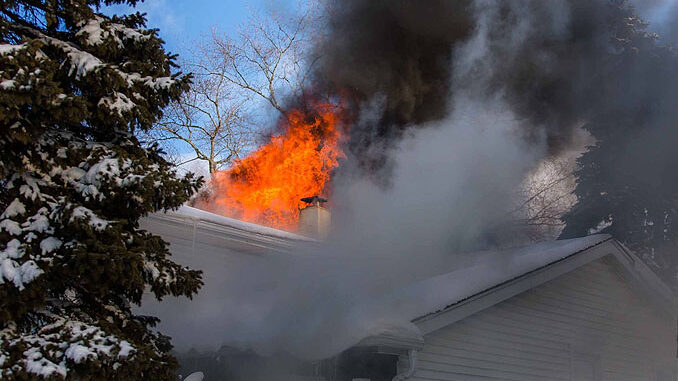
{"points": [[74, 87], [626, 182]]}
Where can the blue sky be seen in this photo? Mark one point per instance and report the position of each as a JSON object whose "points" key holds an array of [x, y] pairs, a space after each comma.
{"points": [[182, 21]]}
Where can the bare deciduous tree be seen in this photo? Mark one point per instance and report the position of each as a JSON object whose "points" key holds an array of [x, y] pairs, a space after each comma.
{"points": [[268, 60], [546, 195], [271, 56], [210, 119]]}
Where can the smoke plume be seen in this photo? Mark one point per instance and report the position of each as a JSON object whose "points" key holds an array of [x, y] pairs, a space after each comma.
{"points": [[454, 103], [403, 54]]}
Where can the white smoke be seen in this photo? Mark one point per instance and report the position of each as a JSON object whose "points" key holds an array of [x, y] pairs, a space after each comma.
{"points": [[451, 191]]}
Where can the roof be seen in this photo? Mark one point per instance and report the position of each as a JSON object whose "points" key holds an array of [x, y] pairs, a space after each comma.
{"points": [[187, 223], [466, 285], [495, 276]]}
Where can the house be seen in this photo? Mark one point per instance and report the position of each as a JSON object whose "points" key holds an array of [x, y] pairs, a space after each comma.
{"points": [[581, 309]]}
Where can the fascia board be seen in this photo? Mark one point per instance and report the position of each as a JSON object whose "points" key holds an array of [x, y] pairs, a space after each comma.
{"points": [[506, 290]]}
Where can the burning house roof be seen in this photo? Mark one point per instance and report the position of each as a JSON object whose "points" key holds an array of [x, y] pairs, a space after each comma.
{"points": [[194, 215], [400, 316], [266, 186], [498, 275]]}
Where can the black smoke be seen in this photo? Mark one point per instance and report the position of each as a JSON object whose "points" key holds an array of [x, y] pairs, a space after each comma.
{"points": [[396, 59], [463, 97]]}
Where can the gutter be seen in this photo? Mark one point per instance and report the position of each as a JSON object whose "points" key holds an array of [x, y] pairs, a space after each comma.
{"points": [[411, 366]]}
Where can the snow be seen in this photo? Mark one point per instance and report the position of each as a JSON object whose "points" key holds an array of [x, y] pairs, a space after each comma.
{"points": [[82, 63], [102, 166], [163, 83], [28, 271], [118, 103], [50, 244], [201, 215], [72, 174], [13, 249], [7, 84], [37, 364], [107, 166], [155, 83], [195, 376], [38, 223], [31, 189], [11, 271], [66, 342], [89, 191], [61, 152], [168, 278], [78, 352], [14, 208], [7, 270], [487, 270], [11, 227], [97, 34], [604, 224], [10, 48], [126, 349], [97, 223], [152, 269]]}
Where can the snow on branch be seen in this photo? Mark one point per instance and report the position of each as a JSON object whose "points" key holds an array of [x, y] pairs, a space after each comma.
{"points": [[9, 49], [82, 63], [118, 103], [82, 213], [98, 30], [13, 272], [32, 218], [55, 348]]}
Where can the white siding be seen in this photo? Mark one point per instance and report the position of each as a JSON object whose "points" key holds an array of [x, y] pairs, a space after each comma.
{"points": [[589, 320]]}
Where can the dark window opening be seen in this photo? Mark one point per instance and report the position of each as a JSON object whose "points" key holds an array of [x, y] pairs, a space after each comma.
{"points": [[230, 364], [360, 363]]}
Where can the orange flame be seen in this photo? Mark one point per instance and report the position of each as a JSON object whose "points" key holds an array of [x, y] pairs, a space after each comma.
{"points": [[266, 186]]}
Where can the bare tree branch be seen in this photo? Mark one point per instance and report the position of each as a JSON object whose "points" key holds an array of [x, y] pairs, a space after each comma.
{"points": [[546, 195], [268, 60], [271, 59], [210, 118]]}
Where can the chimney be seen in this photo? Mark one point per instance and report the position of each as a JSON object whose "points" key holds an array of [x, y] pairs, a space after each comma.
{"points": [[314, 220]]}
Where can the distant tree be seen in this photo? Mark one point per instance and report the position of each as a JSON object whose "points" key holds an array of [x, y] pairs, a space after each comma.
{"points": [[75, 86], [271, 57], [268, 60], [545, 197], [211, 118], [626, 181]]}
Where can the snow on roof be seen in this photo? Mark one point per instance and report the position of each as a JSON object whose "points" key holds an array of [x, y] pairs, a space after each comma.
{"points": [[201, 215], [392, 318], [485, 271]]}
